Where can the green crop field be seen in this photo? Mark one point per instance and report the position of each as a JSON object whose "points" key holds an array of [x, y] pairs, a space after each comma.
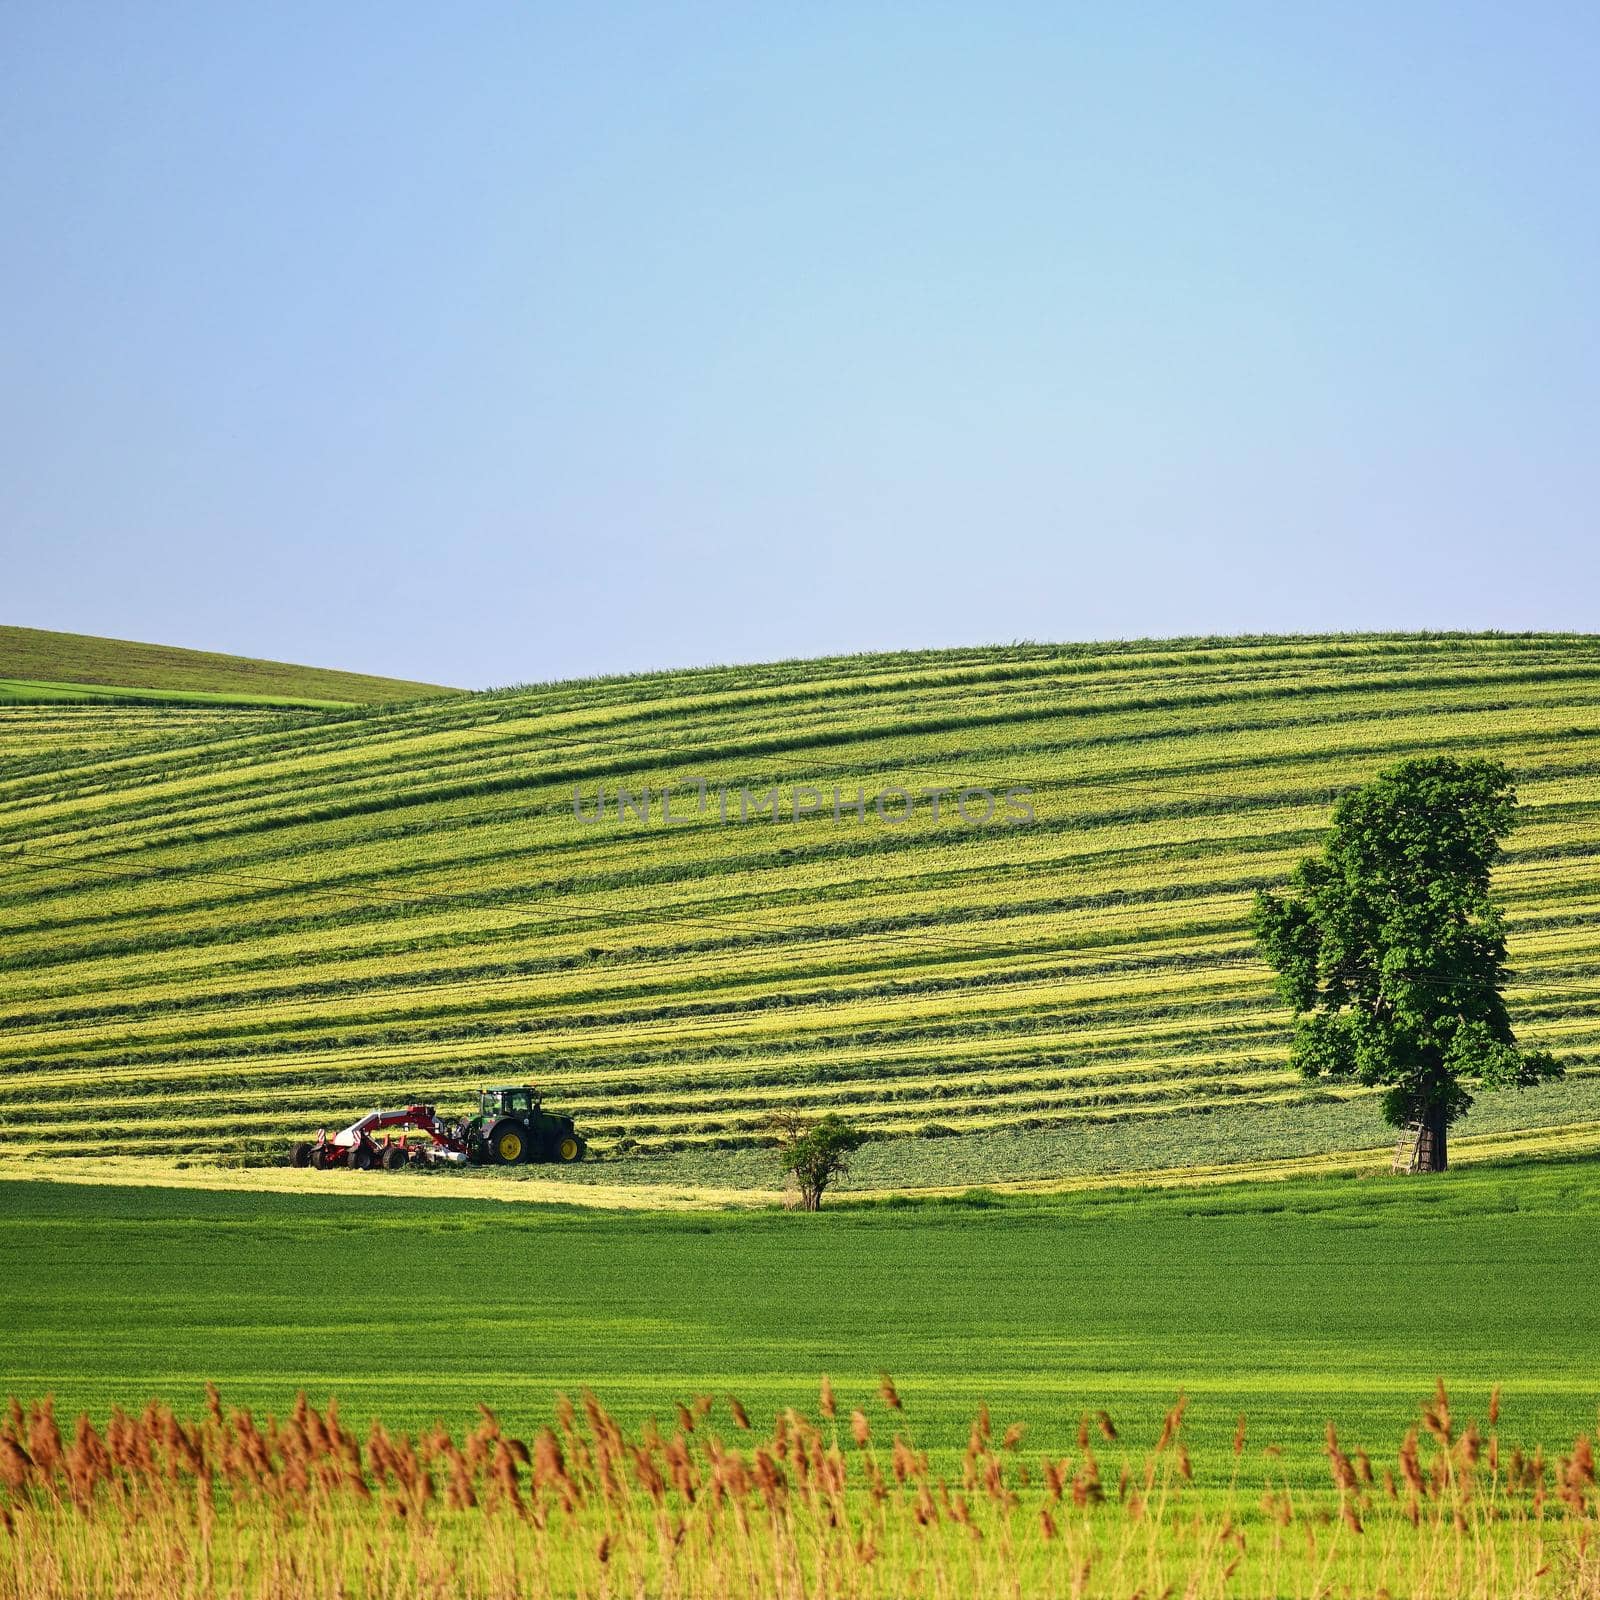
{"points": [[37, 665], [147, 698], [225, 937], [1292, 1302], [38, 734]]}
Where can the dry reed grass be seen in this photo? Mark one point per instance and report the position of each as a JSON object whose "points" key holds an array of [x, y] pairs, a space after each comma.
{"points": [[152, 1505]]}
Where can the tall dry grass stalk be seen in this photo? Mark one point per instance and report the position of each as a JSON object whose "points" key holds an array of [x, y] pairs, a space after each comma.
{"points": [[152, 1505]]}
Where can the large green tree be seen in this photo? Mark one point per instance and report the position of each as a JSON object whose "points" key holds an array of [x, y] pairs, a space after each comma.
{"points": [[1392, 951]]}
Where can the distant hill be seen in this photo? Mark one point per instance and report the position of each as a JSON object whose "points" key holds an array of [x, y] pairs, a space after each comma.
{"points": [[247, 934], [37, 665]]}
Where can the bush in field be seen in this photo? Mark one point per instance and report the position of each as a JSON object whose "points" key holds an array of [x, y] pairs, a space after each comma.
{"points": [[816, 1155]]}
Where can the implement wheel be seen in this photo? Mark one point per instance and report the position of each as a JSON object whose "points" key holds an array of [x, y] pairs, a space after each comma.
{"points": [[394, 1158], [508, 1144], [300, 1156], [569, 1148], [319, 1158], [363, 1158]]}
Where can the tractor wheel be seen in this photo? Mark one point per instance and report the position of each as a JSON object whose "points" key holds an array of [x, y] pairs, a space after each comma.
{"points": [[300, 1156], [508, 1144], [394, 1158], [363, 1158], [569, 1147]]}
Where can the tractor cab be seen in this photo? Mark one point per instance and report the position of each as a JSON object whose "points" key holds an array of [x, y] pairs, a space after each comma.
{"points": [[507, 1102]]}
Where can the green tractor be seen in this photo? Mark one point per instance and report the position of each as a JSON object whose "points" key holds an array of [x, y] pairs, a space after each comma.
{"points": [[512, 1126]]}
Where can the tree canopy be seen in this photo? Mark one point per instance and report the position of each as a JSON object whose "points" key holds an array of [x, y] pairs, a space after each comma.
{"points": [[818, 1153], [1391, 948]]}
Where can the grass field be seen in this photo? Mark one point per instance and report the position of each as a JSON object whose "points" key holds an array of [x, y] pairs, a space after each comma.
{"points": [[21, 691], [39, 665], [1292, 1302], [67, 698], [252, 929], [36, 736], [1237, 1145]]}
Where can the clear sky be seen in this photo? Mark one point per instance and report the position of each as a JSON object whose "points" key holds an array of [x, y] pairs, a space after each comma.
{"points": [[497, 342]]}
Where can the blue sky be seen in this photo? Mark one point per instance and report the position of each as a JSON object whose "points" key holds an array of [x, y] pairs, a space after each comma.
{"points": [[489, 343]]}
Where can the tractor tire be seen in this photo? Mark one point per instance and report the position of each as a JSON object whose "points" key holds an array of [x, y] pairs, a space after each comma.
{"points": [[508, 1144], [394, 1158], [569, 1148], [363, 1158], [300, 1156]]}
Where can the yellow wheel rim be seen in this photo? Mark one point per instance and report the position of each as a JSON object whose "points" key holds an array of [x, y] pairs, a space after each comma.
{"points": [[510, 1146], [569, 1149]]}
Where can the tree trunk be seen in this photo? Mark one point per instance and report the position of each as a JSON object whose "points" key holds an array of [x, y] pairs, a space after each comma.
{"points": [[1433, 1149]]}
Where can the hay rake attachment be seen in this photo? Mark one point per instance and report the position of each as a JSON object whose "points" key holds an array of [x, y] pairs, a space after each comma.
{"points": [[359, 1146]]}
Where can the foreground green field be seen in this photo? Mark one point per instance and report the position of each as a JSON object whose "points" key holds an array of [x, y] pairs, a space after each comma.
{"points": [[1292, 1302], [221, 943]]}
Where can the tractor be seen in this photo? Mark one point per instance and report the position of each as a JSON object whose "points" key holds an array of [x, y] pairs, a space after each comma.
{"points": [[510, 1126]]}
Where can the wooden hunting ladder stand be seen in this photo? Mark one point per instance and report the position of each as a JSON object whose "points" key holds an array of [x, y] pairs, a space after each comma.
{"points": [[1414, 1152]]}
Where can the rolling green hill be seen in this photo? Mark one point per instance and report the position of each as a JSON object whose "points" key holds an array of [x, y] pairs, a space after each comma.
{"points": [[38, 666], [149, 696], [216, 945]]}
